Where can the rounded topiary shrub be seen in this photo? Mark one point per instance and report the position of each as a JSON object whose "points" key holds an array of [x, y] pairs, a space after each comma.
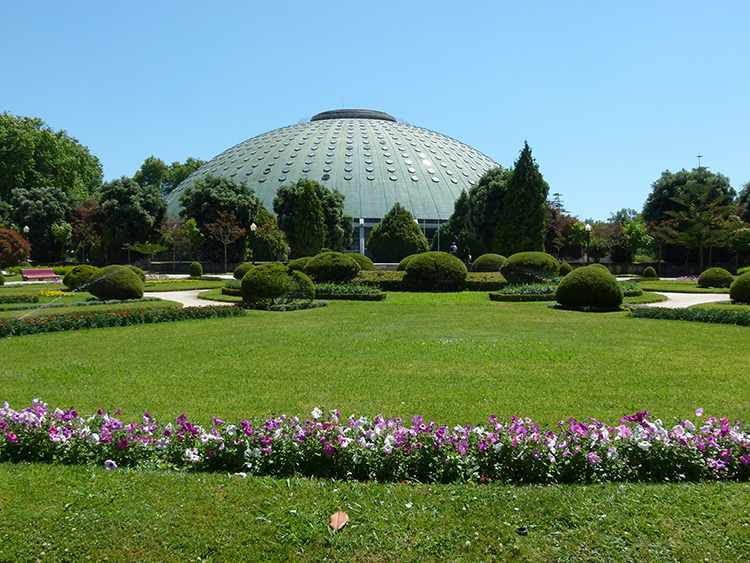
{"points": [[404, 262], [299, 264], [241, 270], [2, 278], [530, 267], [715, 277], [364, 262], [138, 272], [488, 263], [195, 270], [79, 276], [565, 269], [740, 289], [332, 267], [115, 282], [270, 284], [649, 272], [435, 271], [589, 286]]}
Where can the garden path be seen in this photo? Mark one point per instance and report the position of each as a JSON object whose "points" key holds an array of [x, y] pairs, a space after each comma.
{"points": [[683, 300], [187, 298]]}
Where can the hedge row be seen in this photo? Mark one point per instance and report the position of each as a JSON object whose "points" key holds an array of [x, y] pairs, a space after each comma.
{"points": [[521, 297], [741, 318], [352, 296], [79, 321], [393, 281], [12, 299]]}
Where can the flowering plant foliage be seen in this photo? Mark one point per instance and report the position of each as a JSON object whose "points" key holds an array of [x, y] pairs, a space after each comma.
{"points": [[386, 449], [11, 299], [102, 319]]}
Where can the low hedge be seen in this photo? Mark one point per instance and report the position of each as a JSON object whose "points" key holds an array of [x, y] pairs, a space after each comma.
{"points": [[484, 281], [352, 296], [13, 299], [741, 318], [105, 319], [521, 297], [385, 280], [233, 291]]}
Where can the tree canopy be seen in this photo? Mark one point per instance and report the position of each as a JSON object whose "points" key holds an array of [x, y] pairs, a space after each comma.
{"points": [[456, 229], [396, 236], [155, 172], [33, 155], [485, 201], [671, 185], [521, 221], [39, 208]]}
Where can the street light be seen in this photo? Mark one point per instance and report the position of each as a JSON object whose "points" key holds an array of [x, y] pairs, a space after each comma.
{"points": [[25, 230], [588, 241], [253, 228]]}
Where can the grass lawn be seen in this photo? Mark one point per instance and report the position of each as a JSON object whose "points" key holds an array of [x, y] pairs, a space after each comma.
{"points": [[454, 358]]}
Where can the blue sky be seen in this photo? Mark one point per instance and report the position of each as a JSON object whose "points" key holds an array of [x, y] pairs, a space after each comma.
{"points": [[607, 94]]}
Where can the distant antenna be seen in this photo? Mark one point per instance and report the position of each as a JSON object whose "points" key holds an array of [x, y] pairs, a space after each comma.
{"points": [[699, 156]]}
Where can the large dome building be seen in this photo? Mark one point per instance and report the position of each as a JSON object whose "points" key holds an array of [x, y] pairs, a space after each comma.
{"points": [[372, 159]]}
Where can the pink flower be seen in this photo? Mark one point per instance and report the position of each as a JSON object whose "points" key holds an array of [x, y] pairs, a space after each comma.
{"points": [[594, 458], [12, 437], [699, 412]]}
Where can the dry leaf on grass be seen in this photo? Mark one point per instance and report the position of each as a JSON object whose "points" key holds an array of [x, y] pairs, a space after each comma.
{"points": [[339, 520]]}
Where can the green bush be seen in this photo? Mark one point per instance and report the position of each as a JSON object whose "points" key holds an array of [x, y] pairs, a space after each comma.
{"points": [[299, 264], [271, 284], [744, 270], [715, 277], [385, 280], [364, 262], [241, 270], [195, 270], [589, 286], [79, 276], [740, 289], [404, 262], [649, 272], [435, 271], [2, 278], [488, 263], [600, 266], [565, 269], [138, 272], [332, 267], [484, 281], [115, 282], [530, 267]]}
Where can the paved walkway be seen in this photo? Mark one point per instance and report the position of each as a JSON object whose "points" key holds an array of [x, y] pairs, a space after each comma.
{"points": [[188, 298], [683, 300]]}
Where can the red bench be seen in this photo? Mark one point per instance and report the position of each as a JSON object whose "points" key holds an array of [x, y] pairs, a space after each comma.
{"points": [[39, 274]]}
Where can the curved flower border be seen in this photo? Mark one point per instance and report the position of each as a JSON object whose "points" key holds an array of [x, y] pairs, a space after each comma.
{"points": [[328, 445]]}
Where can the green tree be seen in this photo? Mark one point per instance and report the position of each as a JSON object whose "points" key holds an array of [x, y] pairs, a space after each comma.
{"points": [[174, 233], [155, 172], [39, 209], [226, 231], [33, 155], [456, 229], [338, 227], [671, 185], [521, 222], [485, 202], [270, 242], [208, 197], [130, 213], [559, 230], [396, 236], [85, 219]]}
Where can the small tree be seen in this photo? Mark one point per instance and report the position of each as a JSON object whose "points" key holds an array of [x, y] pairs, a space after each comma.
{"points": [[13, 248], [85, 220], [174, 232], [396, 236], [301, 216], [149, 249], [226, 231]]}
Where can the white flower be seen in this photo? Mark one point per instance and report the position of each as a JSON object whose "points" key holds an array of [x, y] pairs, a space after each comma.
{"points": [[192, 455], [317, 413], [644, 444], [110, 465]]}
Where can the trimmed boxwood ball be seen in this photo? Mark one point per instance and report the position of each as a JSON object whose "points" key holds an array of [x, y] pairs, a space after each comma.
{"points": [[79, 276], [273, 283], [364, 262], [488, 263], [404, 262], [649, 272], [241, 270], [565, 269], [115, 282], [739, 291], [435, 271], [332, 267], [715, 277], [589, 286], [299, 264], [195, 270], [138, 272], [530, 267]]}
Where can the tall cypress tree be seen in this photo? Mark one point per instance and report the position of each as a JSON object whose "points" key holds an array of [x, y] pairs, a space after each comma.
{"points": [[521, 223], [308, 224]]}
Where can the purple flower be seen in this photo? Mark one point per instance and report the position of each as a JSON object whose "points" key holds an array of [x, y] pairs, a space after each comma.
{"points": [[699, 412], [12, 437], [328, 449], [594, 458], [109, 465]]}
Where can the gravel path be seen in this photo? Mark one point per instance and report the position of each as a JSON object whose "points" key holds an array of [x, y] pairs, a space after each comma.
{"points": [[683, 300], [187, 298]]}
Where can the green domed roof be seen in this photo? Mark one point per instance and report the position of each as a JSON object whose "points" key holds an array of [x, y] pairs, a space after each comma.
{"points": [[366, 155]]}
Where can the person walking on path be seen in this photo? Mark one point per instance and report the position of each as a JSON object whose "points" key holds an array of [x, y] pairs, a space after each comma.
{"points": [[467, 255], [454, 249]]}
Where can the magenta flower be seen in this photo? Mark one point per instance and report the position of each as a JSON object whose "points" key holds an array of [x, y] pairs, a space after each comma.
{"points": [[12, 437], [594, 458]]}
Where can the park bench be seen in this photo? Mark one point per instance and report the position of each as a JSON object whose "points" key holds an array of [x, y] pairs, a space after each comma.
{"points": [[39, 274]]}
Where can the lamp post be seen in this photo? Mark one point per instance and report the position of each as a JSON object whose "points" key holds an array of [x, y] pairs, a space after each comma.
{"points": [[26, 235], [253, 228], [588, 241]]}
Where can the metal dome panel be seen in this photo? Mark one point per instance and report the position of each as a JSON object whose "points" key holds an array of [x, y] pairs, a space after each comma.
{"points": [[370, 158]]}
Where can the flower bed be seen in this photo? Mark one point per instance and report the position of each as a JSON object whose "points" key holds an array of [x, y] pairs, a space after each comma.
{"points": [[387, 449], [349, 291], [741, 318], [13, 299], [102, 319]]}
